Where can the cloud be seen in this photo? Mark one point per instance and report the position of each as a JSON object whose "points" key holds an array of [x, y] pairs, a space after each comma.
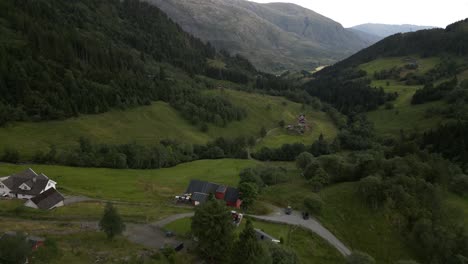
{"points": [[417, 12]]}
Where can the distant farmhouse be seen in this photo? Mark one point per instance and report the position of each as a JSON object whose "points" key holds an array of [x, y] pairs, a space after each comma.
{"points": [[38, 189], [198, 191], [301, 127]]}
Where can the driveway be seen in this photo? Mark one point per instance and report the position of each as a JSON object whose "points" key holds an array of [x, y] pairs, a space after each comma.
{"points": [[311, 224]]}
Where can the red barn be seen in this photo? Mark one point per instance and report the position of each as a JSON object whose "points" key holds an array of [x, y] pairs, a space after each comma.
{"points": [[199, 191]]}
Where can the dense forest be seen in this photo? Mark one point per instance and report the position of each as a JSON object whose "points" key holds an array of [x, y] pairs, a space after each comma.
{"points": [[62, 58]]}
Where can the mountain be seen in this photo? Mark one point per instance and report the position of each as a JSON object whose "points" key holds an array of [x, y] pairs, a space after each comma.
{"points": [[385, 30], [274, 36]]}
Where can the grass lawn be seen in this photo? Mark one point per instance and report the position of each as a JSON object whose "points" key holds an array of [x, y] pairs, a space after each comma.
{"points": [[345, 215], [150, 124], [309, 247], [89, 211], [151, 186]]}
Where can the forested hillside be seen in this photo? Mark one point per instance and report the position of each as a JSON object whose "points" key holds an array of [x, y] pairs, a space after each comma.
{"points": [[62, 58], [346, 78]]}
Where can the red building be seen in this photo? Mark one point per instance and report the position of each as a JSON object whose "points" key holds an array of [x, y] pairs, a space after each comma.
{"points": [[198, 191]]}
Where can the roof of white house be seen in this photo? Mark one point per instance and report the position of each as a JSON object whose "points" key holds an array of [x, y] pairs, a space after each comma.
{"points": [[36, 182], [48, 199]]}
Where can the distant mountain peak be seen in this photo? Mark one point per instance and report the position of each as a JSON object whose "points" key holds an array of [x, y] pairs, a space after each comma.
{"points": [[385, 30]]}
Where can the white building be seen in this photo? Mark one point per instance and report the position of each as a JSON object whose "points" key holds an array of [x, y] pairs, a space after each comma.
{"points": [[25, 185]]}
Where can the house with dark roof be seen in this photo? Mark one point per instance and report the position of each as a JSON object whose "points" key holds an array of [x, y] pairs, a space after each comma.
{"points": [[198, 191], [47, 200], [25, 185]]}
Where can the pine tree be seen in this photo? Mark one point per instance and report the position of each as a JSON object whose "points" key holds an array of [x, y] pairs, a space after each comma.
{"points": [[248, 249], [212, 226], [111, 222]]}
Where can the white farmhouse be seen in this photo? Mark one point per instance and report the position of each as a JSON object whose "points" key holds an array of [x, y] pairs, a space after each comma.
{"points": [[25, 185]]}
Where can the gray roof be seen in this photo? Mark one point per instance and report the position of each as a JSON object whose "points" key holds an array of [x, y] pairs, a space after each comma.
{"points": [[48, 199], [201, 187], [197, 186], [37, 182], [199, 197]]}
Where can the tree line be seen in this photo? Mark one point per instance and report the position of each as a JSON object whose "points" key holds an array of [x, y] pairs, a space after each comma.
{"points": [[166, 153]]}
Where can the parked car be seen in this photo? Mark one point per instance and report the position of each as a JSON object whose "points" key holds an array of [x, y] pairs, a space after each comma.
{"points": [[169, 233], [288, 210], [305, 215]]}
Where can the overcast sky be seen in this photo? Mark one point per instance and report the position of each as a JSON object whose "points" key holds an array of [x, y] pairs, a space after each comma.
{"points": [[349, 13]]}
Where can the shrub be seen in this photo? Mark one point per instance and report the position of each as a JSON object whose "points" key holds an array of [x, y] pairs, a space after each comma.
{"points": [[313, 204], [304, 159]]}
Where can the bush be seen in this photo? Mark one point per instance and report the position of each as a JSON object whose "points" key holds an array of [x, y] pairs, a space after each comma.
{"points": [[319, 180], [313, 204], [459, 184], [311, 169], [11, 155], [304, 159]]}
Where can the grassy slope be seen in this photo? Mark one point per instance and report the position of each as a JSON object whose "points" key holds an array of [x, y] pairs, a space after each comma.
{"points": [[360, 228], [309, 247], [149, 124], [267, 111], [404, 115], [461, 203], [137, 185]]}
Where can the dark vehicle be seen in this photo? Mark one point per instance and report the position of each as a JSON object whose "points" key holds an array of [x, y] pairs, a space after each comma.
{"points": [[179, 247], [305, 215], [169, 233], [288, 210]]}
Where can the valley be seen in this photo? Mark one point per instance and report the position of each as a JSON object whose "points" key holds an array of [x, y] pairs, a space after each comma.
{"points": [[164, 132]]}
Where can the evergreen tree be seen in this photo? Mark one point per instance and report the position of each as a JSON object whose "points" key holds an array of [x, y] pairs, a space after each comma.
{"points": [[111, 222], [213, 228], [248, 249], [249, 193]]}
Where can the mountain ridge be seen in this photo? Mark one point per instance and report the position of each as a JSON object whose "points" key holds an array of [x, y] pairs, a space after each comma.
{"points": [[384, 30], [274, 36]]}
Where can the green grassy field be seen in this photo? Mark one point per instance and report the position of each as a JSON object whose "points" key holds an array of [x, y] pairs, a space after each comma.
{"points": [[359, 227], [90, 211], [150, 124], [403, 115], [137, 185], [425, 64], [309, 247], [266, 111]]}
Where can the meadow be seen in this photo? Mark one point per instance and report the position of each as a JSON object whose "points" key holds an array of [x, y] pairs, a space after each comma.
{"points": [[146, 186], [150, 124], [402, 114]]}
